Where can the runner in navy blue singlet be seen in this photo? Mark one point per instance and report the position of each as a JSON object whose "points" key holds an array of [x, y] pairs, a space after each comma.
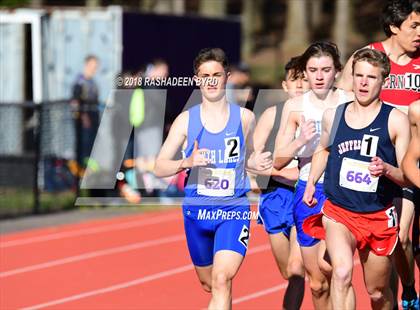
{"points": [[401, 25], [361, 146]]}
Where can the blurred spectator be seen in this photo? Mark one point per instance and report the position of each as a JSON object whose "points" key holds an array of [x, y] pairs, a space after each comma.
{"points": [[120, 127], [238, 87], [149, 129], [146, 114], [85, 101]]}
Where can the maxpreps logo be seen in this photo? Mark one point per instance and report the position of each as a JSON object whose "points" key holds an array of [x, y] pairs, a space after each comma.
{"points": [[212, 215], [409, 80]]}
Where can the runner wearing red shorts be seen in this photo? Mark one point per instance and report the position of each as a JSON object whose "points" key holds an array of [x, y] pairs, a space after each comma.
{"points": [[361, 146], [401, 24]]}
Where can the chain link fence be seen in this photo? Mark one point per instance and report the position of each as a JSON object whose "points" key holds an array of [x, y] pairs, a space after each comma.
{"points": [[37, 157]]}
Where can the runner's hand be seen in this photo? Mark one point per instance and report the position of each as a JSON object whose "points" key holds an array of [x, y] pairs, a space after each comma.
{"points": [[308, 196], [198, 157], [377, 167], [307, 130], [260, 161]]}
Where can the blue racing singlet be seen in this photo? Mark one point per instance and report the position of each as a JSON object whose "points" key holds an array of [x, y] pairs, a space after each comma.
{"points": [[347, 181], [224, 180]]}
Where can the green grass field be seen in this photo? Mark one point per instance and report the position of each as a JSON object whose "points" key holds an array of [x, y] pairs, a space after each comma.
{"points": [[14, 202], [20, 202]]}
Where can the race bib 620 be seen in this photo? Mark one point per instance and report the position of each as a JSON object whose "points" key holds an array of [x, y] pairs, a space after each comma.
{"points": [[216, 182]]}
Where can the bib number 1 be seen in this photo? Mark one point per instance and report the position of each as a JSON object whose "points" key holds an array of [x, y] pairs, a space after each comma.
{"points": [[369, 145], [392, 217]]}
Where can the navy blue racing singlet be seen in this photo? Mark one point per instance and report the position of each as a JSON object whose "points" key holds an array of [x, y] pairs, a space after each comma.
{"points": [[347, 181]]}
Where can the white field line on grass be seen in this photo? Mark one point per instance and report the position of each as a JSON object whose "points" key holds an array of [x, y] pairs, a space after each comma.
{"points": [[89, 231], [93, 254], [134, 282]]}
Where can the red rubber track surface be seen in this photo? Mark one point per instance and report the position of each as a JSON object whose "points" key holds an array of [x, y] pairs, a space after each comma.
{"points": [[131, 262]]}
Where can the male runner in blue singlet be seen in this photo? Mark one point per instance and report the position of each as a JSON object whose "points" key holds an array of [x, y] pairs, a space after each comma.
{"points": [[275, 209], [214, 136]]}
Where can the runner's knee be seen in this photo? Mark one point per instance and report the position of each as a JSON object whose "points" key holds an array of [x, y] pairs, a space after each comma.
{"points": [[318, 288], [220, 281], [295, 268], [405, 241], [342, 276], [206, 286], [325, 267], [205, 281], [376, 294]]}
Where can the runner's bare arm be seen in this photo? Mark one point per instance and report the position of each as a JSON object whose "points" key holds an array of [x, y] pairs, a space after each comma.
{"points": [[165, 164], [399, 130], [256, 160], [286, 145], [263, 128], [320, 157], [248, 127], [260, 135], [412, 157], [414, 118], [262, 131]]}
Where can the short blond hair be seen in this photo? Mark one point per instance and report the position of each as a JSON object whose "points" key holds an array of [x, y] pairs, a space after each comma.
{"points": [[375, 58]]}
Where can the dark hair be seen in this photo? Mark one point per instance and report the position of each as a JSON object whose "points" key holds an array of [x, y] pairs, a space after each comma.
{"points": [[396, 12], [375, 58], [293, 66], [240, 67], [318, 49], [209, 54], [90, 57], [158, 62]]}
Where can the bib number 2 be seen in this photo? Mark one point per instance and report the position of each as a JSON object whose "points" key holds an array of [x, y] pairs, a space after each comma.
{"points": [[232, 147], [244, 236]]}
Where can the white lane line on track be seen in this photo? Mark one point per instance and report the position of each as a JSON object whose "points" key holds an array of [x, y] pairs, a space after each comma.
{"points": [[93, 254], [260, 293], [112, 288], [270, 290], [89, 231], [134, 282]]}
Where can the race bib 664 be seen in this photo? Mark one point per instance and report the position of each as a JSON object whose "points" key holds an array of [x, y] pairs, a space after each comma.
{"points": [[355, 175]]}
